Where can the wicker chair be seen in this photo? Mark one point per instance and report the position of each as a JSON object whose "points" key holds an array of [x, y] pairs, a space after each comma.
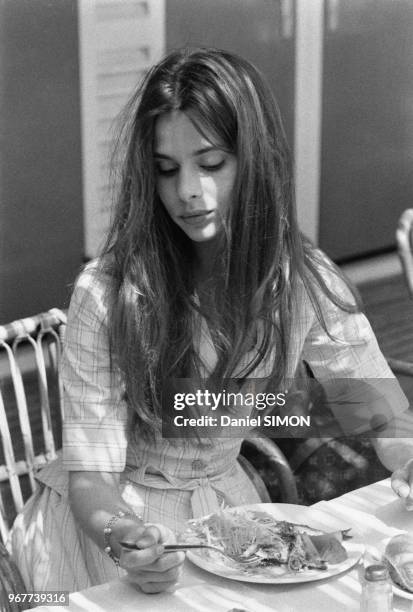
{"points": [[30, 420]]}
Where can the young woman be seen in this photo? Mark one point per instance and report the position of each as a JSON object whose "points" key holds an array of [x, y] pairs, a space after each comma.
{"points": [[204, 274]]}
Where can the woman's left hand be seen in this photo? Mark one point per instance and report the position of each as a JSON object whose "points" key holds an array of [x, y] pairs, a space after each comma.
{"points": [[402, 483]]}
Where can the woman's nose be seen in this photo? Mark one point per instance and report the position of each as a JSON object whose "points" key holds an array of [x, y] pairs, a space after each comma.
{"points": [[189, 184]]}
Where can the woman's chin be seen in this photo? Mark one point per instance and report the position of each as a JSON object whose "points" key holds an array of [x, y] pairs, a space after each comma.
{"points": [[203, 235]]}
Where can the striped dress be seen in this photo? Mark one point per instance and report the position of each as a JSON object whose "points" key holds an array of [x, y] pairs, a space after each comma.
{"points": [[168, 481]]}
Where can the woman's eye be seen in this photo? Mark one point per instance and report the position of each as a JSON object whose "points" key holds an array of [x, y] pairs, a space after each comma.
{"points": [[213, 167], [166, 170]]}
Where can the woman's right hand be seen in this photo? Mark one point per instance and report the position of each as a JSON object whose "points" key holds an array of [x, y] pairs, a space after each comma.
{"points": [[150, 568]]}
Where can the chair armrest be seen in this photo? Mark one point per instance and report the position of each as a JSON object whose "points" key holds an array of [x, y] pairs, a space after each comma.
{"points": [[279, 464], [255, 478], [399, 366], [404, 246]]}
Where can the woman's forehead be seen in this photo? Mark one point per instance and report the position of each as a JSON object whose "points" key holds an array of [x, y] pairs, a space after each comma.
{"points": [[176, 130]]}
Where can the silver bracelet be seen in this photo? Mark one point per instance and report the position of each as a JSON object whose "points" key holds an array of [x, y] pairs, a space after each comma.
{"points": [[108, 530]]}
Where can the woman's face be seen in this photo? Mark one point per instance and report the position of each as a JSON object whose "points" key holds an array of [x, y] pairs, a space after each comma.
{"points": [[195, 177]]}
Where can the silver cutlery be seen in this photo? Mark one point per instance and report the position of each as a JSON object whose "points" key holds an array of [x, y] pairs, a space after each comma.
{"points": [[242, 559]]}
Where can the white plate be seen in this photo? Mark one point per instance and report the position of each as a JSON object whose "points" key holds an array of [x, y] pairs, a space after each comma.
{"points": [[401, 593], [214, 563]]}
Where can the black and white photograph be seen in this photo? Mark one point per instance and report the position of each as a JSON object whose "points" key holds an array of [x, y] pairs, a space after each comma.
{"points": [[206, 305]]}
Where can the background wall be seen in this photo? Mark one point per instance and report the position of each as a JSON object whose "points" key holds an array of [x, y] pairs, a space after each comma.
{"points": [[367, 135], [354, 120], [259, 31], [41, 238]]}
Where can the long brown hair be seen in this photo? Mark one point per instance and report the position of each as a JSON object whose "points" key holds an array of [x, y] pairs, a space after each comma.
{"points": [[264, 256]]}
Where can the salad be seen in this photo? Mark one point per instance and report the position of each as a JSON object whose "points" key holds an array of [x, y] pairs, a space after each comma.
{"points": [[245, 533]]}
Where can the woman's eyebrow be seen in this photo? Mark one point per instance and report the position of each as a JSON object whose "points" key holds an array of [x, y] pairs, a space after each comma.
{"points": [[197, 152]]}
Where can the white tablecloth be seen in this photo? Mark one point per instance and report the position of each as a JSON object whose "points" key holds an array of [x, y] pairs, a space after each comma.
{"points": [[374, 511]]}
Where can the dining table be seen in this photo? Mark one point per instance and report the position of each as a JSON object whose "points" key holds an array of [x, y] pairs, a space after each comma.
{"points": [[373, 512]]}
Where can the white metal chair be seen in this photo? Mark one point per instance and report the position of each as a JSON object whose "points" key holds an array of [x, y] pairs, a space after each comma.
{"points": [[30, 417], [30, 406]]}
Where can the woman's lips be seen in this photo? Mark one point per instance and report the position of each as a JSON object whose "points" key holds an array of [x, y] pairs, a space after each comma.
{"points": [[198, 218]]}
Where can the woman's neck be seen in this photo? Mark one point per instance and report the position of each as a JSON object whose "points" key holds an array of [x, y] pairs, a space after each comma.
{"points": [[207, 264]]}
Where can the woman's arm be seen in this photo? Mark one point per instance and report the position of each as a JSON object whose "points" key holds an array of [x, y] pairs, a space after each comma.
{"points": [[356, 362], [396, 454], [95, 440], [95, 498]]}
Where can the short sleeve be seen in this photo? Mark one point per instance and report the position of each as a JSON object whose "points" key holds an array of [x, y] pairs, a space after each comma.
{"points": [[95, 413], [349, 349], [349, 363]]}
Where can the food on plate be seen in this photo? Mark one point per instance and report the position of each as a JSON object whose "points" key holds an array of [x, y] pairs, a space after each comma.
{"points": [[329, 547], [398, 556], [243, 533]]}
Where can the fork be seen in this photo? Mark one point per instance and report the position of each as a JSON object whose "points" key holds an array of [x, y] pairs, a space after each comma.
{"points": [[250, 560]]}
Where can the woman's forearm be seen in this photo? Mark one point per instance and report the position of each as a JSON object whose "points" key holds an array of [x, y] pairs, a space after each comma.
{"points": [[95, 498]]}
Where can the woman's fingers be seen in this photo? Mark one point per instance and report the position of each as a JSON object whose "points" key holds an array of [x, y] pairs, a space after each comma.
{"points": [[143, 576], [137, 559], [402, 484], [155, 533], [150, 537], [148, 566], [152, 559], [167, 536], [167, 561], [399, 484], [158, 576]]}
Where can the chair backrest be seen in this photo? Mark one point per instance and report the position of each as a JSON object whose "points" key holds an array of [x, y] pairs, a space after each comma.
{"points": [[404, 239], [30, 406]]}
